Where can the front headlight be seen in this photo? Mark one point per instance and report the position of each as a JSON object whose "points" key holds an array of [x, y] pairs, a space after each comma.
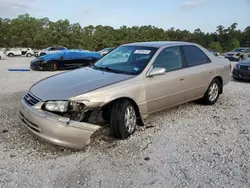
{"points": [[237, 66], [56, 106]]}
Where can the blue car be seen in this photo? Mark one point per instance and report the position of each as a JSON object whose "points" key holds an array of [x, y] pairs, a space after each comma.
{"points": [[241, 70], [65, 60]]}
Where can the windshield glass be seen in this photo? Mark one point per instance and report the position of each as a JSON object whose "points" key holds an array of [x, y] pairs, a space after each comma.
{"points": [[126, 59], [238, 50]]}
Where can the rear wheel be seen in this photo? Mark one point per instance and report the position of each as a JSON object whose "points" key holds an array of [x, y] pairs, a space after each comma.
{"points": [[28, 55], [52, 66], [11, 55], [123, 119], [212, 94]]}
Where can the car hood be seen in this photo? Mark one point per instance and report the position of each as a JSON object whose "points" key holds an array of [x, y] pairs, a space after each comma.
{"points": [[245, 62], [48, 57], [74, 83]]}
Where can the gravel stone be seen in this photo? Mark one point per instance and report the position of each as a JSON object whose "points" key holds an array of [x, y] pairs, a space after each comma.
{"points": [[189, 146]]}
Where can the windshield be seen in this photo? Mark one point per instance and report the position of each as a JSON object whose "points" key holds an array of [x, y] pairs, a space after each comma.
{"points": [[238, 50], [126, 59]]}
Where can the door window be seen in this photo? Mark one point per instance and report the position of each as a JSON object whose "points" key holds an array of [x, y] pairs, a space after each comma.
{"points": [[194, 56], [170, 58]]}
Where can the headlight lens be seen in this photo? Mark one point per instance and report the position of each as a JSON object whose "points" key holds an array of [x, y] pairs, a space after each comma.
{"points": [[56, 106], [237, 66]]}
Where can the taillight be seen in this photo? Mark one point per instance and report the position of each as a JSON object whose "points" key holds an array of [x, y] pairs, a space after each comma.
{"points": [[230, 66]]}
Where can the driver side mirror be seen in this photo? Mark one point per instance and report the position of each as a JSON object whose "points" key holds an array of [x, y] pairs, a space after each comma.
{"points": [[157, 72]]}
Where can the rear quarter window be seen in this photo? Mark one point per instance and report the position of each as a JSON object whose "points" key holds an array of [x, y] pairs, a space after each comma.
{"points": [[194, 56]]}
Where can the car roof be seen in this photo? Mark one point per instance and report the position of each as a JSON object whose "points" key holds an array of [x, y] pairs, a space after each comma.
{"points": [[157, 44]]}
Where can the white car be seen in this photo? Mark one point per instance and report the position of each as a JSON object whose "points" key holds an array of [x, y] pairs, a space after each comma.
{"points": [[2, 55], [50, 50], [28, 52]]}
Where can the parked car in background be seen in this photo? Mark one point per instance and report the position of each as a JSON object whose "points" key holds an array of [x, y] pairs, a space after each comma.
{"points": [[241, 70], [105, 51], [237, 54], [28, 52], [50, 50], [66, 109], [2, 55], [64, 60]]}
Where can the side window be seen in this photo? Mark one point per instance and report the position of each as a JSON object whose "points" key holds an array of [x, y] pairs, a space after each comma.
{"points": [[248, 50], [59, 48], [170, 58], [194, 56]]}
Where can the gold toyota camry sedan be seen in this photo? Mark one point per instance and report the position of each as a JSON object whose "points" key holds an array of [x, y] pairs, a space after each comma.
{"points": [[121, 89]]}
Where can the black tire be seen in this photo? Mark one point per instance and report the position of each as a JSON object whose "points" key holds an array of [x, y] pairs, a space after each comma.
{"points": [[237, 79], [117, 119], [11, 55], [207, 99], [0, 57], [52, 66], [28, 54]]}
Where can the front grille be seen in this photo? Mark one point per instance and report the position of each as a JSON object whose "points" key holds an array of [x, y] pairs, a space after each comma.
{"points": [[245, 67], [30, 99]]}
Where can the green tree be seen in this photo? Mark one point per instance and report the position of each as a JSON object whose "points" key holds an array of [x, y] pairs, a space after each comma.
{"points": [[27, 31], [216, 46]]}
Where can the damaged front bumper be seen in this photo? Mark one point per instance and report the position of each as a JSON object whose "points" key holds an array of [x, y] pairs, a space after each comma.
{"points": [[54, 128]]}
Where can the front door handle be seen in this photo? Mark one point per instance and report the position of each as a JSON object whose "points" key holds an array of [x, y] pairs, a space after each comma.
{"points": [[182, 79]]}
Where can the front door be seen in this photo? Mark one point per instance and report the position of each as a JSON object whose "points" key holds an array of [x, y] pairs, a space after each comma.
{"points": [[166, 90]]}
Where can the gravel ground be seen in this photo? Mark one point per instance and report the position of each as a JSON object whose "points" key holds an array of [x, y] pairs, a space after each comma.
{"points": [[187, 146]]}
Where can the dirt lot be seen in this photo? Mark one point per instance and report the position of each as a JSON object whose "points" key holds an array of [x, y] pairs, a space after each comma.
{"points": [[188, 146]]}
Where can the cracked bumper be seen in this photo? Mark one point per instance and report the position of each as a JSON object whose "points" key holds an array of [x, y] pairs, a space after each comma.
{"points": [[54, 129]]}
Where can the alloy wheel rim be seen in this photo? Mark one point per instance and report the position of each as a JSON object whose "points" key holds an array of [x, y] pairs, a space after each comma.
{"points": [[213, 92], [130, 119]]}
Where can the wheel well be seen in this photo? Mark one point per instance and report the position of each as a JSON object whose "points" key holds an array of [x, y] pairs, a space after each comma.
{"points": [[107, 108], [221, 82]]}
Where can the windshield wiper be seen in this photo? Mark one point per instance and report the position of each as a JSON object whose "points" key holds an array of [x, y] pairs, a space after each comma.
{"points": [[102, 68], [110, 70]]}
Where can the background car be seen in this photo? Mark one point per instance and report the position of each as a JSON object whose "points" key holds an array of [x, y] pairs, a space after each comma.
{"points": [[64, 60], [50, 50], [241, 70], [237, 54], [28, 52]]}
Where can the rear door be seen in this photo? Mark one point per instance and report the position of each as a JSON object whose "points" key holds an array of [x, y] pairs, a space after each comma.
{"points": [[167, 90], [199, 71]]}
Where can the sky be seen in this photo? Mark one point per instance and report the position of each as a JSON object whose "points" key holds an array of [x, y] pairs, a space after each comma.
{"points": [[180, 14]]}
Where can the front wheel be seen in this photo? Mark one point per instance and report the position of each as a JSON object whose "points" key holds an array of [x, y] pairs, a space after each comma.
{"points": [[52, 66], [212, 94], [123, 119], [28, 55]]}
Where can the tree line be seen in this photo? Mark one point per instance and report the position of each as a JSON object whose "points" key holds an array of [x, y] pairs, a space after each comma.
{"points": [[27, 31]]}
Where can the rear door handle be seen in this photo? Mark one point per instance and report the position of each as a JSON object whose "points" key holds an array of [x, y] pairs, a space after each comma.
{"points": [[182, 79]]}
